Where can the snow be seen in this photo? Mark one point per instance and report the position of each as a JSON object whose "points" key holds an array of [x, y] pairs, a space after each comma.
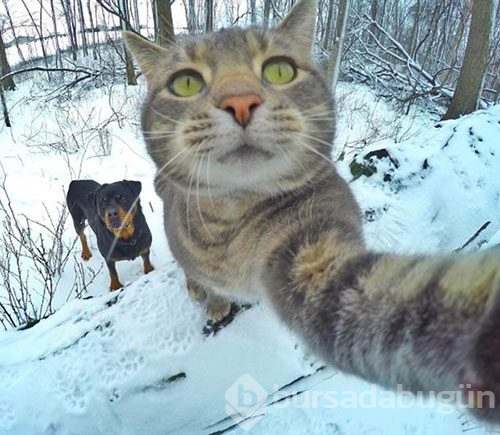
{"points": [[140, 361]]}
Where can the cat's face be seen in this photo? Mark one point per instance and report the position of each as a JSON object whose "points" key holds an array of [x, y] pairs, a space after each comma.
{"points": [[238, 109]]}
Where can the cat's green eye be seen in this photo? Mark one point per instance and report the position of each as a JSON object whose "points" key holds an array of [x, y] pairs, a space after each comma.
{"points": [[279, 71], [186, 83]]}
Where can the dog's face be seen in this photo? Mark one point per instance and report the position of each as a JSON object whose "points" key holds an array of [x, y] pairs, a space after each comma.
{"points": [[116, 205]]}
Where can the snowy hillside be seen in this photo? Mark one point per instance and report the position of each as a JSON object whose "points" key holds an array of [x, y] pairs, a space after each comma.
{"points": [[142, 360]]}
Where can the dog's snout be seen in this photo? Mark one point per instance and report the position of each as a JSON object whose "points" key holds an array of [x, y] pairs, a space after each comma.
{"points": [[112, 212]]}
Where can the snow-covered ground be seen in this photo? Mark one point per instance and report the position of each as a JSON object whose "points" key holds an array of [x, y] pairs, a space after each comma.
{"points": [[141, 361]]}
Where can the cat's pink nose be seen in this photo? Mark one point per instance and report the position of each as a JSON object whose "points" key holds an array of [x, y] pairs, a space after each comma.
{"points": [[241, 107]]}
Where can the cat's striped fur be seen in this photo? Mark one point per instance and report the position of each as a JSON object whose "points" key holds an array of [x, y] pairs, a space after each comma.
{"points": [[284, 227]]}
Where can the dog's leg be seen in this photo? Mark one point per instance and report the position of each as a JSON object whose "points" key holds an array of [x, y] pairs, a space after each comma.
{"points": [[113, 274], [78, 216], [148, 267], [86, 254]]}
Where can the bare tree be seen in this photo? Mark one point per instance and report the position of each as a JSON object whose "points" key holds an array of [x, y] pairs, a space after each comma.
{"points": [[81, 17], [209, 16], [5, 110], [336, 54], [253, 11], [38, 30], [164, 24], [70, 25], [129, 63], [93, 30], [13, 30], [7, 83], [475, 61], [192, 22], [328, 26], [267, 12]]}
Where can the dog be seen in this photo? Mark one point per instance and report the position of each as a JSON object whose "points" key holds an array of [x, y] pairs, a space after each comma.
{"points": [[114, 213]]}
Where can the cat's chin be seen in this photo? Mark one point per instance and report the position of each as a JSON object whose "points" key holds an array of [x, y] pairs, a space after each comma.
{"points": [[245, 155]]}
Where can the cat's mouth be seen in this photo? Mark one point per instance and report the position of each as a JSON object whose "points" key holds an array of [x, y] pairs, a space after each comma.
{"points": [[244, 153]]}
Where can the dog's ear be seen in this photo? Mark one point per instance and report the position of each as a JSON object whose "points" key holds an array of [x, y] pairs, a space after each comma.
{"points": [[134, 186]]}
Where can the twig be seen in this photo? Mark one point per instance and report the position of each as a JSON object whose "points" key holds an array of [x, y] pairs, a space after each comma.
{"points": [[474, 237]]}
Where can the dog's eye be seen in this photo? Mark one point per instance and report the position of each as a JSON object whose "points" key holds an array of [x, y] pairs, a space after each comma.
{"points": [[105, 199], [119, 198]]}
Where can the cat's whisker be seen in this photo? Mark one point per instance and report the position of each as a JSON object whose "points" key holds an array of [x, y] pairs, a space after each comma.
{"points": [[314, 110], [158, 132], [313, 138], [165, 166], [198, 199], [158, 136], [162, 115], [169, 42], [314, 151], [188, 197], [209, 158], [319, 118]]}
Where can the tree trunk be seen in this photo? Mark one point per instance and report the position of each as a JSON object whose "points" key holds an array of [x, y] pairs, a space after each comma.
{"points": [[56, 34], [475, 60], [137, 17], [209, 16], [4, 108], [82, 28], [7, 83], [374, 16], [165, 27], [415, 30], [192, 22], [267, 12], [66, 5], [13, 29], [129, 64], [328, 27], [336, 55], [253, 12], [39, 33], [92, 30]]}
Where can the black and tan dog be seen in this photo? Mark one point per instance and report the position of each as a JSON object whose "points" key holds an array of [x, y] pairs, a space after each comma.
{"points": [[113, 211]]}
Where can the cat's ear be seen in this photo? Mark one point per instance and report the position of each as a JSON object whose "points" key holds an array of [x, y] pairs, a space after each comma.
{"points": [[300, 23], [147, 54]]}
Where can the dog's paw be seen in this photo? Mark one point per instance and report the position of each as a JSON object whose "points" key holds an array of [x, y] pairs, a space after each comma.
{"points": [[217, 308], [115, 285], [86, 255]]}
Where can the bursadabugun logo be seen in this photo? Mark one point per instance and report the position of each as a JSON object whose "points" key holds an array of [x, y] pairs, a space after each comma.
{"points": [[246, 401]]}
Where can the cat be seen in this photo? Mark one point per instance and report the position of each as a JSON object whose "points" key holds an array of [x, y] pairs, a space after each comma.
{"points": [[240, 124]]}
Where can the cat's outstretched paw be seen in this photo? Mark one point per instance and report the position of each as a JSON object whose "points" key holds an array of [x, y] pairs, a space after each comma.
{"points": [[482, 370], [217, 308]]}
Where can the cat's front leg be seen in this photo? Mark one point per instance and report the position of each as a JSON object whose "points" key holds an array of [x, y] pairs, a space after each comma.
{"points": [[216, 307], [196, 291]]}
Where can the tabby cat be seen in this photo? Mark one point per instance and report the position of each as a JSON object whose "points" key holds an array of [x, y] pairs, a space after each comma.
{"points": [[240, 125]]}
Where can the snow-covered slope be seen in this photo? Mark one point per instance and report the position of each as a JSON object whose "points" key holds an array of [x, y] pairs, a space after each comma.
{"points": [[138, 362], [142, 361], [433, 191]]}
